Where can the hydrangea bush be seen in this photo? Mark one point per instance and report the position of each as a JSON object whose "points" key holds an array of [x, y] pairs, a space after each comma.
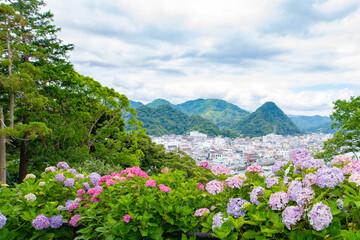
{"points": [[302, 199]]}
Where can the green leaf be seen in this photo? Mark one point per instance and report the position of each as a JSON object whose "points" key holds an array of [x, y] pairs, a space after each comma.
{"points": [[250, 234]]}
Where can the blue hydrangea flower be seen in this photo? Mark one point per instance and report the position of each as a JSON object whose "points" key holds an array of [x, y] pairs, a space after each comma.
{"points": [[56, 221], [218, 220], [69, 182], [291, 215], [60, 177], [94, 178], [2, 220], [320, 216], [329, 177], [235, 207], [254, 195], [41, 222]]}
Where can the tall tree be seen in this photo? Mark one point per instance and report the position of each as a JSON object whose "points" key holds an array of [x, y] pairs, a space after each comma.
{"points": [[32, 48], [346, 118]]}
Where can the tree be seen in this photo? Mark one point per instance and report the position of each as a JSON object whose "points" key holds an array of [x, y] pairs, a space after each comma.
{"points": [[346, 118], [30, 48]]}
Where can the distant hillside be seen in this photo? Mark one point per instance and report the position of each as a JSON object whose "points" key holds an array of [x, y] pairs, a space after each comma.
{"points": [[158, 102], [322, 128], [135, 105], [167, 120], [306, 122], [314, 124], [262, 121]]}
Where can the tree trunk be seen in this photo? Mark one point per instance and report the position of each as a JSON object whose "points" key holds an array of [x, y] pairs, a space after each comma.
{"points": [[24, 154], [12, 94], [2, 150], [24, 159]]}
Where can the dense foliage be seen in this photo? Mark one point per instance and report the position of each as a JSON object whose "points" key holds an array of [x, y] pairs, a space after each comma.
{"points": [[263, 120], [346, 118], [302, 199]]}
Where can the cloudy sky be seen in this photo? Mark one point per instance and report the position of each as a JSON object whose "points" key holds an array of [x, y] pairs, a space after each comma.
{"points": [[301, 54]]}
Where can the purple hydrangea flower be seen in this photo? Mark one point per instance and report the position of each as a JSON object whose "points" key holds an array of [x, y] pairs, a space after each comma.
{"points": [[218, 220], [291, 215], [278, 200], [69, 182], [86, 185], [56, 221], [278, 166], [63, 165], [320, 216], [286, 181], [73, 171], [329, 177], [60, 177], [41, 222], [271, 182], [2, 220], [235, 207], [305, 196], [79, 176], [254, 195], [30, 197], [94, 178], [309, 180], [294, 189]]}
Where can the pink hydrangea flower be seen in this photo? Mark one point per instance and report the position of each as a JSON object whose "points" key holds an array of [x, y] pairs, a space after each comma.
{"points": [[355, 178], [50, 169], [200, 186], [134, 172], [110, 182], [254, 168], [80, 192], [74, 220], [200, 212], [353, 166], [73, 206], [150, 183], [204, 164], [234, 182], [220, 169], [165, 170], [340, 160], [127, 218], [104, 179], [214, 187], [164, 188]]}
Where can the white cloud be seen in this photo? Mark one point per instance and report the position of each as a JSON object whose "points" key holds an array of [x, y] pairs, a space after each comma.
{"points": [[184, 50]]}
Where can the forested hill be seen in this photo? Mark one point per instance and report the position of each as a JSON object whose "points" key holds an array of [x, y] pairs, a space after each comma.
{"points": [[315, 124], [167, 120], [263, 120], [220, 112]]}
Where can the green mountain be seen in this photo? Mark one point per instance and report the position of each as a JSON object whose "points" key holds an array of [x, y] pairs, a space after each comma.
{"points": [[158, 102], [167, 120], [135, 105], [306, 122], [263, 120], [220, 112], [322, 128]]}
